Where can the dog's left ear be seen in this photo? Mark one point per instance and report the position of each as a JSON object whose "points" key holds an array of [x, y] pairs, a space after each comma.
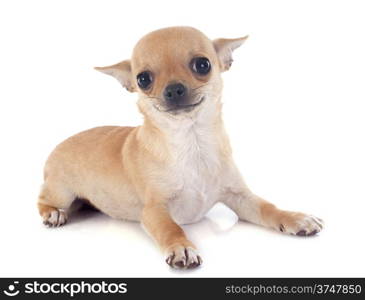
{"points": [[122, 72], [224, 49]]}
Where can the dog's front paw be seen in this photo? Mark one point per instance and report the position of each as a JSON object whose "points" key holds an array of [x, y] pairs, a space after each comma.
{"points": [[180, 257], [299, 224], [55, 218]]}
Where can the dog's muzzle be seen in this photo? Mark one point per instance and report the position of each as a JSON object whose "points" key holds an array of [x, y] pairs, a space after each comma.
{"points": [[177, 97]]}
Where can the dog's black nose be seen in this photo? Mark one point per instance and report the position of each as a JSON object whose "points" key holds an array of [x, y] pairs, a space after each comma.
{"points": [[174, 92]]}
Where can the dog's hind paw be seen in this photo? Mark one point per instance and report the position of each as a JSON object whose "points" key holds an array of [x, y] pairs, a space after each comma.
{"points": [[55, 218]]}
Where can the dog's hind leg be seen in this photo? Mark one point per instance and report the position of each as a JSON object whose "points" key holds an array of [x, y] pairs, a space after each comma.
{"points": [[53, 203]]}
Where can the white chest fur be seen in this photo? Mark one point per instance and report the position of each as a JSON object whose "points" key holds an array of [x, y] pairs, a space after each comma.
{"points": [[194, 172]]}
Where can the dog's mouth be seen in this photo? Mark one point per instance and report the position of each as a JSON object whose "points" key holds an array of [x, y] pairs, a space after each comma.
{"points": [[177, 108], [186, 107]]}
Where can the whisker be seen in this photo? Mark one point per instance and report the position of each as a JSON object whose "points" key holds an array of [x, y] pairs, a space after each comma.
{"points": [[203, 85], [150, 97]]}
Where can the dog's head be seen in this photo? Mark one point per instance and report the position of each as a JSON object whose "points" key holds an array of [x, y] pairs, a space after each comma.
{"points": [[175, 70]]}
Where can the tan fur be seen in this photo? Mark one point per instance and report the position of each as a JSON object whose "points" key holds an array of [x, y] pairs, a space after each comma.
{"points": [[172, 169], [45, 210]]}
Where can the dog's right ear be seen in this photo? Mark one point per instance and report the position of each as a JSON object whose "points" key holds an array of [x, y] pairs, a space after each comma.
{"points": [[122, 72]]}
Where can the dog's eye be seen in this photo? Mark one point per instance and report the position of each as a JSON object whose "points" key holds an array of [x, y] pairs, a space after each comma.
{"points": [[144, 79], [200, 65]]}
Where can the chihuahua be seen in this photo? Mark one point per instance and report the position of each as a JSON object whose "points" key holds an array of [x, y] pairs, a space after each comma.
{"points": [[172, 169]]}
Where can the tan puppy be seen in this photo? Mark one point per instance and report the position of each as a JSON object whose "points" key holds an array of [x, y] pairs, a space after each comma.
{"points": [[172, 169]]}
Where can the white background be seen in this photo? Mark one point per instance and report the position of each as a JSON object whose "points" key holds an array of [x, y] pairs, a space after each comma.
{"points": [[293, 107]]}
